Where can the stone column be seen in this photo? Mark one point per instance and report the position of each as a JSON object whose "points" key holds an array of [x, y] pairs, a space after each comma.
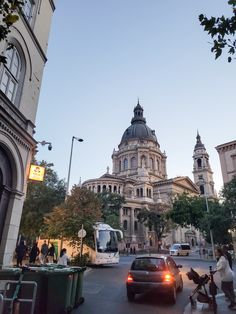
{"points": [[132, 222]]}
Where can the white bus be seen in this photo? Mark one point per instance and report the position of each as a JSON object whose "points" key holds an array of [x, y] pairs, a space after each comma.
{"points": [[105, 245]]}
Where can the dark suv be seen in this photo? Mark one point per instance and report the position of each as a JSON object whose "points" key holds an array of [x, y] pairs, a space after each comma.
{"points": [[159, 274]]}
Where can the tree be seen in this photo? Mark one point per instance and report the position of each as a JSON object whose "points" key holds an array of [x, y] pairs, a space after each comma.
{"points": [[229, 196], [188, 210], [41, 198], [222, 31], [111, 204], [9, 10], [82, 207], [156, 219]]}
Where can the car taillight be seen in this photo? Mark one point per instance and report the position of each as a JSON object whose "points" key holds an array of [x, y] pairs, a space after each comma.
{"points": [[129, 278], [168, 277]]}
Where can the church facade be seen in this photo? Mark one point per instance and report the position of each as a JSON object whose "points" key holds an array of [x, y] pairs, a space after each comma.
{"points": [[139, 174]]}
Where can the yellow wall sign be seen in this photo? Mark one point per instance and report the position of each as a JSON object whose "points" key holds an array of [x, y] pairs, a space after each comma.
{"points": [[36, 173]]}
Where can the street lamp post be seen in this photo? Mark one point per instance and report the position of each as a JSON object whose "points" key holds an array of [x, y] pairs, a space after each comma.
{"points": [[71, 151], [207, 207], [211, 235]]}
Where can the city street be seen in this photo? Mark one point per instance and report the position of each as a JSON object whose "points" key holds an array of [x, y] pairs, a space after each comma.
{"points": [[105, 292]]}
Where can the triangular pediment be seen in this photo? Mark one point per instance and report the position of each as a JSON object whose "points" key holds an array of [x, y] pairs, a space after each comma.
{"points": [[186, 182]]}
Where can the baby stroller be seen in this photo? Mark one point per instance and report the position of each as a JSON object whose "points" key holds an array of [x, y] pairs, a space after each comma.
{"points": [[200, 292]]}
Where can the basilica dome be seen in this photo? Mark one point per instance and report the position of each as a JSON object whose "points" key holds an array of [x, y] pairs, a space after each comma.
{"points": [[138, 128]]}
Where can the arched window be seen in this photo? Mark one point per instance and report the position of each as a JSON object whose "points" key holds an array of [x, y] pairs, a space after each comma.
{"points": [[11, 74], [110, 188], [141, 192], [133, 163], [135, 226], [125, 224], [125, 164], [99, 188], [202, 190], [137, 192], [199, 162], [151, 164], [115, 189], [104, 188]]}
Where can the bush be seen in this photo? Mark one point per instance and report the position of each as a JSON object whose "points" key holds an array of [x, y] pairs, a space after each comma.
{"points": [[80, 260]]}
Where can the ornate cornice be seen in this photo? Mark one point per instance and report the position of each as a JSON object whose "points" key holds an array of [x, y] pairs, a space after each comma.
{"points": [[226, 147], [13, 122]]}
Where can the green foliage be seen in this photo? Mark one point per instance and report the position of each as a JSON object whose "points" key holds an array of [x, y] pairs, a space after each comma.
{"points": [[110, 207], [82, 207], [80, 260], [188, 210], [156, 219], [229, 195], [41, 198], [222, 31], [9, 12]]}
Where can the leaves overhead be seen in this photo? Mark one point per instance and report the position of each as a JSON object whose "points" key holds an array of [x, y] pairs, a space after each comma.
{"points": [[222, 31], [9, 10]]}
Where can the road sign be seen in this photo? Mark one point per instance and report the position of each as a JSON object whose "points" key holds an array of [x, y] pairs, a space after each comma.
{"points": [[81, 233]]}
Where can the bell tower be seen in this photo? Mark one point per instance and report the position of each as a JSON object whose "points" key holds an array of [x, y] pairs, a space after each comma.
{"points": [[202, 173]]}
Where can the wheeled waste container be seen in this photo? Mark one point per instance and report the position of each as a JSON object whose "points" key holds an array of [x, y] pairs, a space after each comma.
{"points": [[79, 299]]}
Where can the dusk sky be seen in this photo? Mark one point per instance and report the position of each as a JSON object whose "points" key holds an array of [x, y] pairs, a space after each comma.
{"points": [[105, 54]]}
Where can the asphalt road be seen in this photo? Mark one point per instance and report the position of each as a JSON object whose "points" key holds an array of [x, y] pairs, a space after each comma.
{"points": [[105, 291]]}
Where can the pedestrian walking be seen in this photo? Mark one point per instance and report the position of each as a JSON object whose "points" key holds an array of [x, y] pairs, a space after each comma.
{"points": [[51, 253], [34, 253], [228, 255], [63, 259], [44, 252], [226, 275], [21, 250]]}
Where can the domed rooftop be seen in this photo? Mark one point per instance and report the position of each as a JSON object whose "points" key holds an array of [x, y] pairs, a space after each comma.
{"points": [[138, 128]]}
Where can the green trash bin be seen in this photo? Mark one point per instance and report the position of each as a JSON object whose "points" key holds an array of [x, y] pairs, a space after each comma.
{"points": [[25, 292], [79, 299], [9, 274], [59, 288]]}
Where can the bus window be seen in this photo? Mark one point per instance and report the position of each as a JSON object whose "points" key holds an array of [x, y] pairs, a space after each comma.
{"points": [[107, 241]]}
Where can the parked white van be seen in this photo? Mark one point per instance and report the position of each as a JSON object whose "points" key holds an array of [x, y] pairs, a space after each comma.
{"points": [[180, 249]]}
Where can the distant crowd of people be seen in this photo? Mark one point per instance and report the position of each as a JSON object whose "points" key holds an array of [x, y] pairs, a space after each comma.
{"points": [[47, 254]]}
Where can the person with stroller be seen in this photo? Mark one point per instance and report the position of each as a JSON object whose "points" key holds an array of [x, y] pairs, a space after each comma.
{"points": [[226, 275]]}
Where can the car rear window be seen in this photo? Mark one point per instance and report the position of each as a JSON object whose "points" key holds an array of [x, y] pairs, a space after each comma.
{"points": [[150, 264]]}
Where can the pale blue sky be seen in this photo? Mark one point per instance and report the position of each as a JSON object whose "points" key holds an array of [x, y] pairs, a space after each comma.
{"points": [[104, 54]]}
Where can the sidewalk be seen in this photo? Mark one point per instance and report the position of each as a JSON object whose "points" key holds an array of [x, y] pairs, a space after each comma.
{"points": [[222, 307]]}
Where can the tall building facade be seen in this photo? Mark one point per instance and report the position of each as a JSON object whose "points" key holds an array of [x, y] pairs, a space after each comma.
{"points": [[20, 83], [227, 154], [202, 173], [139, 173]]}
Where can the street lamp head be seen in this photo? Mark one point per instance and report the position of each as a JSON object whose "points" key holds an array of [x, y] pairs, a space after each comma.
{"points": [[50, 146], [78, 139]]}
